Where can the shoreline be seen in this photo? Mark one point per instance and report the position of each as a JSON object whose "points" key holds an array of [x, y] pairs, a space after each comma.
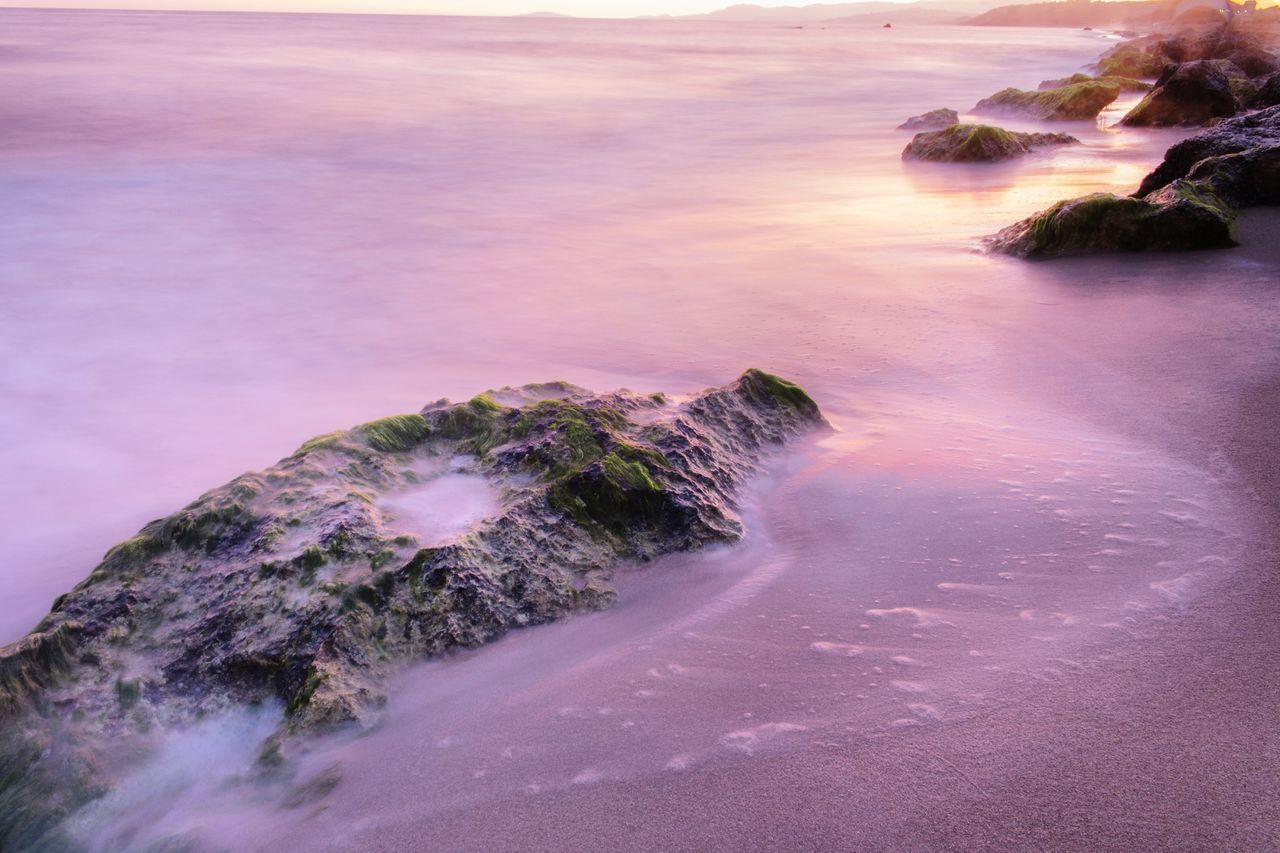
{"points": [[907, 790]]}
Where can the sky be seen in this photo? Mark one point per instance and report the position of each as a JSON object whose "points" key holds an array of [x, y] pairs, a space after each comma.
{"points": [[589, 8]]}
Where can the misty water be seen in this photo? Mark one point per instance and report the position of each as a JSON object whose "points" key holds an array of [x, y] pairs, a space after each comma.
{"points": [[224, 234]]}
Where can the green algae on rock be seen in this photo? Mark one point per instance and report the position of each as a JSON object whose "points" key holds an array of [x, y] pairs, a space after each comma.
{"points": [[1104, 222], [978, 143], [1076, 102], [294, 586], [1133, 60], [1126, 84]]}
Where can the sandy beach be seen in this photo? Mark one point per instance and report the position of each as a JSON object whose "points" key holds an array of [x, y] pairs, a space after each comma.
{"points": [[1021, 595]]}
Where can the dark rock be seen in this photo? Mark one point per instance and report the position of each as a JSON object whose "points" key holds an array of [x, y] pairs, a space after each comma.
{"points": [[1254, 61], [1104, 222], [932, 120], [1254, 130], [978, 143], [1189, 202], [1244, 179], [294, 585], [1267, 94], [1077, 102], [1192, 93]]}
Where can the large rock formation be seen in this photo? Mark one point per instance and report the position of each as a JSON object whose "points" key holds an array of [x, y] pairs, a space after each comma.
{"points": [[1240, 45], [978, 143], [298, 585], [932, 120], [1256, 130], [1189, 202], [1076, 102], [1192, 93], [1150, 56]]}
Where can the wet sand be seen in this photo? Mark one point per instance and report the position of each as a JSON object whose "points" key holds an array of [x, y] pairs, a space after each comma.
{"points": [[1170, 742]]}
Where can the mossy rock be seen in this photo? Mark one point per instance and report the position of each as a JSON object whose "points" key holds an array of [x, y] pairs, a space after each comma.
{"points": [[1131, 61], [977, 143], [1104, 222], [1076, 102], [292, 586], [761, 386]]}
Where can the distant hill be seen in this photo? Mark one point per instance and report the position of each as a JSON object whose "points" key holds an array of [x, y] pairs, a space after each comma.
{"points": [[1084, 13], [840, 12], [905, 13], [543, 15]]}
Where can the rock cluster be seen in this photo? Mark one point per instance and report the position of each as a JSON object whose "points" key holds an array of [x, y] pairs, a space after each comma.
{"points": [[293, 585], [978, 143], [1201, 76], [1189, 202]]}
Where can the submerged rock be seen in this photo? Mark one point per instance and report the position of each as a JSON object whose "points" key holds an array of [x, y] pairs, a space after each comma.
{"points": [[1189, 202], [296, 585], [1126, 84], [978, 143], [932, 120], [1076, 102], [1192, 93]]}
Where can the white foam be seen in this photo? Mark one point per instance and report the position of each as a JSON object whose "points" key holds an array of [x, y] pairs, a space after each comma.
{"points": [[748, 740], [925, 712], [922, 618], [846, 650], [1177, 590], [588, 776], [440, 509]]}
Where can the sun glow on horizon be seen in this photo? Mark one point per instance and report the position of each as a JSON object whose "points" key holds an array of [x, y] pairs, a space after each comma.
{"points": [[576, 8]]}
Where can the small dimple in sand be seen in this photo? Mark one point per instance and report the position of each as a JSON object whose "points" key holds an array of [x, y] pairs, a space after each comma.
{"points": [[441, 508]]}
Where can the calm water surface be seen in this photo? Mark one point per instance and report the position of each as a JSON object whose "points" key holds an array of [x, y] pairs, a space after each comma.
{"points": [[223, 234]]}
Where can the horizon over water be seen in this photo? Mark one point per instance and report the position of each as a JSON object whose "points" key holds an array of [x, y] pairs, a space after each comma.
{"points": [[228, 232]]}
